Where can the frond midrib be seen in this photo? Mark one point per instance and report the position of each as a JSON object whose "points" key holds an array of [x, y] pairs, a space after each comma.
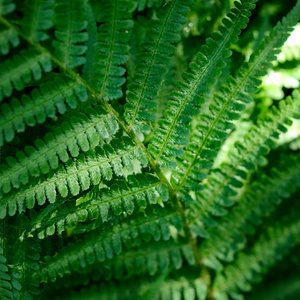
{"points": [[122, 123], [187, 97], [144, 85], [56, 142]]}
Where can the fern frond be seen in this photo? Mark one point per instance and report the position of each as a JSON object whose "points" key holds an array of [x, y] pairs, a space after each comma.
{"points": [[22, 260], [70, 25], [52, 97], [122, 198], [6, 284], [109, 242], [111, 51], [119, 157], [270, 248], [22, 69], [223, 184], [6, 7], [215, 124], [38, 16], [171, 289], [80, 133], [8, 39], [148, 258], [258, 200], [153, 61], [169, 139]]}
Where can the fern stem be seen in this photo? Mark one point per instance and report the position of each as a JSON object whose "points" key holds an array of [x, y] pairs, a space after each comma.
{"points": [[109, 108]]}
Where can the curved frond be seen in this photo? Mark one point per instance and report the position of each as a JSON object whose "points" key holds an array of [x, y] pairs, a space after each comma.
{"points": [[215, 124], [223, 184], [258, 201], [70, 25], [122, 198], [24, 67], [80, 133], [153, 61], [148, 258], [270, 248], [171, 135], [51, 98], [111, 241], [120, 157], [38, 17], [111, 51]]}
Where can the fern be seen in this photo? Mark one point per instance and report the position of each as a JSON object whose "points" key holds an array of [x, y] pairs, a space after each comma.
{"points": [[265, 252], [177, 288], [153, 61], [80, 133], [5, 283], [138, 160], [38, 15], [171, 136], [70, 35], [257, 202], [8, 38], [112, 47], [154, 258], [214, 125], [51, 98], [222, 185], [101, 204], [6, 7], [24, 67], [115, 158]]}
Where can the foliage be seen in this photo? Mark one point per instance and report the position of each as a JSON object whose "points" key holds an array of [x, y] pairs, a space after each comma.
{"points": [[147, 152]]}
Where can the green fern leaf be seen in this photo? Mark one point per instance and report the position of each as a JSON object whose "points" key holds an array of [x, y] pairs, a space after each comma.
{"points": [[271, 247], [8, 39], [152, 258], [153, 63], [228, 104], [70, 25], [22, 69], [258, 200], [143, 4], [6, 284], [101, 204], [170, 137], [80, 133], [38, 16], [112, 47], [223, 184], [108, 244], [171, 289], [6, 7], [22, 260], [51, 98], [119, 157]]}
